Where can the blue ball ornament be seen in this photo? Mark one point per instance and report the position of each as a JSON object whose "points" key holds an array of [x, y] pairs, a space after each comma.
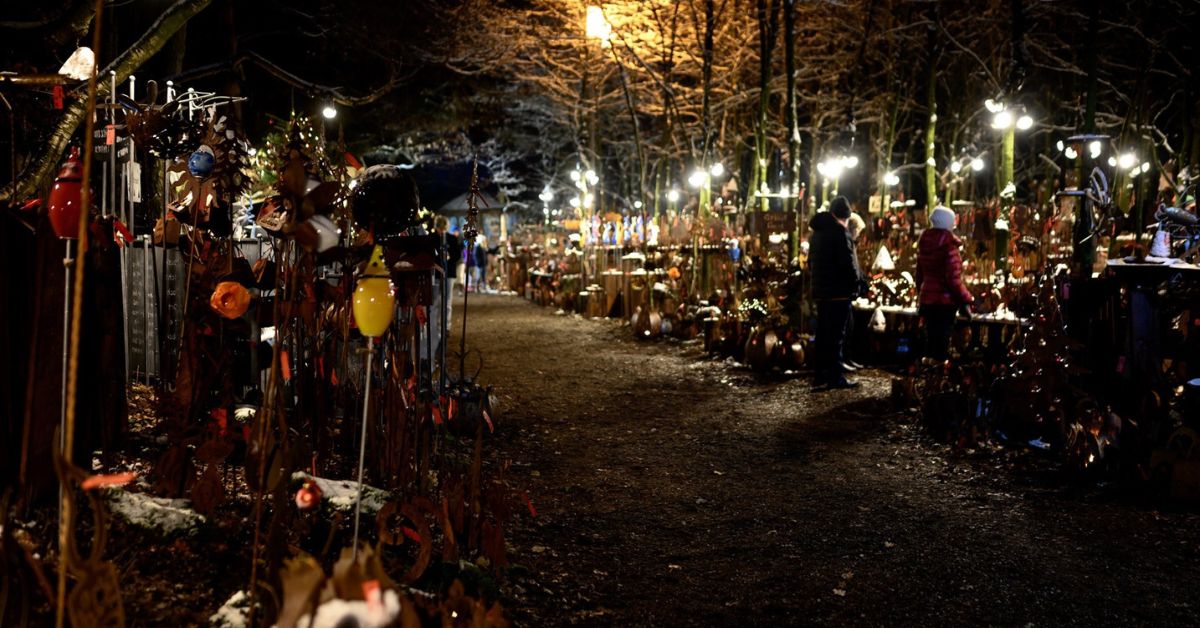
{"points": [[200, 164]]}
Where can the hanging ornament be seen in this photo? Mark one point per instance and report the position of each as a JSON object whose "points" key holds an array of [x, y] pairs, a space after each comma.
{"points": [[374, 297], [318, 233], [200, 164], [230, 299], [309, 495], [65, 198]]}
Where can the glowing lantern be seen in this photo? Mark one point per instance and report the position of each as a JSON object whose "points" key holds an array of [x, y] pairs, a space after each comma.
{"points": [[374, 297], [65, 201]]}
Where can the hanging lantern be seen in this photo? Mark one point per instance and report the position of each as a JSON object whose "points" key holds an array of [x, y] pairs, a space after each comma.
{"points": [[374, 297], [65, 197], [230, 299]]}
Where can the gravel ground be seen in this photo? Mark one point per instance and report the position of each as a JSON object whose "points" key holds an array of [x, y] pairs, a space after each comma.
{"points": [[673, 489]]}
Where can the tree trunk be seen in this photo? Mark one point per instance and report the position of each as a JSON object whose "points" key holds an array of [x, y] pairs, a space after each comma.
{"points": [[930, 136], [789, 60]]}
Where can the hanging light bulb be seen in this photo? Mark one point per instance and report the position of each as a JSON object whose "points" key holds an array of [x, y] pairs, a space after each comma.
{"points": [[956, 167], [330, 112], [977, 164], [1127, 161], [673, 195], [698, 178], [717, 169], [1024, 123], [891, 179], [374, 297]]}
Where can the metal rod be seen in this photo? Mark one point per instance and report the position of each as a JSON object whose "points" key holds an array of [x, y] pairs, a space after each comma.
{"points": [[62, 417], [447, 294], [362, 445], [112, 148], [462, 341]]}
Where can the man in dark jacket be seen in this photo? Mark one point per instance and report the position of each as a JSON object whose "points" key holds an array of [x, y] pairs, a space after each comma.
{"points": [[836, 280]]}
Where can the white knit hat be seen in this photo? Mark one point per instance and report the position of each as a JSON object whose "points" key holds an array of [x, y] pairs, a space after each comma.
{"points": [[943, 218]]}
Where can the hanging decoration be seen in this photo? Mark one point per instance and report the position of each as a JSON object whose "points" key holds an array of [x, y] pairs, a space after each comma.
{"points": [[230, 299], [65, 204]]}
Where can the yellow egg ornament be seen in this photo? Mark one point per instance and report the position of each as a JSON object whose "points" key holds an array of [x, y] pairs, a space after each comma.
{"points": [[374, 297], [374, 305]]}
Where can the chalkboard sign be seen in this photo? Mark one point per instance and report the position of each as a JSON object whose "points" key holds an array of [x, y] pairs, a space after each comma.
{"points": [[148, 285], [143, 334]]}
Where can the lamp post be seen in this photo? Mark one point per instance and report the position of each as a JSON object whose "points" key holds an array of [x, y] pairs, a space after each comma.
{"points": [[958, 171], [831, 169], [1008, 122], [701, 179]]}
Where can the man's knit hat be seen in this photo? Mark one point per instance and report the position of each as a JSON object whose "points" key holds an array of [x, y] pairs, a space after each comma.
{"points": [[840, 208], [943, 218]]}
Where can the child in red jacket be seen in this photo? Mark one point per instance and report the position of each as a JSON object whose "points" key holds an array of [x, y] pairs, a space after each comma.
{"points": [[939, 280]]}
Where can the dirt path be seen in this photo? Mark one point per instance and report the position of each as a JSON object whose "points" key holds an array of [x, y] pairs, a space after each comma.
{"points": [[676, 490]]}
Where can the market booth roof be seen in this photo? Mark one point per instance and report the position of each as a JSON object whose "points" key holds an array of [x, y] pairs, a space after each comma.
{"points": [[485, 202]]}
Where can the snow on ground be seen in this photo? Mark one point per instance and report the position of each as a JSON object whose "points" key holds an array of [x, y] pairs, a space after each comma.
{"points": [[168, 517], [340, 494]]}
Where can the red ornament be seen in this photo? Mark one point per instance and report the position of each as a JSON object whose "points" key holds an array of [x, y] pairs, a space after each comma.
{"points": [[308, 496], [65, 198]]}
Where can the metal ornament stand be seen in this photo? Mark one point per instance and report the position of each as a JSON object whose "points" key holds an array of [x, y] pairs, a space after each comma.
{"points": [[362, 445], [470, 231]]}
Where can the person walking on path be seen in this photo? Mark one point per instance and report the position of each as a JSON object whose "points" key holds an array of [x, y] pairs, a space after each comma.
{"points": [[836, 281], [939, 281], [452, 249]]}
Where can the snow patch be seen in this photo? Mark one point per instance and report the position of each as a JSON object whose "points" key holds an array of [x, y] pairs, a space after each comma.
{"points": [[168, 517], [232, 613]]}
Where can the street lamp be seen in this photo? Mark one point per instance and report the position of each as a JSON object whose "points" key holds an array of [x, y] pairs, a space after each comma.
{"points": [[1007, 121], [598, 26], [832, 168]]}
